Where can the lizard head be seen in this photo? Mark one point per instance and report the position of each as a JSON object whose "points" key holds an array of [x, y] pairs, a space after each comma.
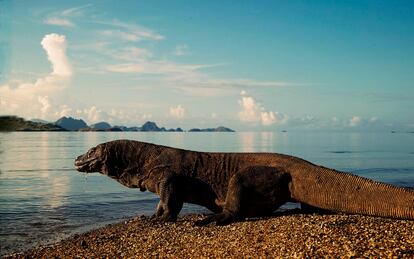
{"points": [[92, 161], [112, 158]]}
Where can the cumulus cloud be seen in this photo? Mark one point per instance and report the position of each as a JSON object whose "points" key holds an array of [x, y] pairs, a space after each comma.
{"points": [[33, 99], [63, 111], [44, 101], [268, 118], [254, 112], [250, 109], [93, 114], [360, 122], [114, 116], [355, 121], [55, 47], [177, 112]]}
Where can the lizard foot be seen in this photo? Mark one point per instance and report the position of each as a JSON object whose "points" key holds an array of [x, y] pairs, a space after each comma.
{"points": [[220, 219]]}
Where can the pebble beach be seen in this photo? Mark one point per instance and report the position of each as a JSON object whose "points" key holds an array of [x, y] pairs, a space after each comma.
{"points": [[285, 235]]}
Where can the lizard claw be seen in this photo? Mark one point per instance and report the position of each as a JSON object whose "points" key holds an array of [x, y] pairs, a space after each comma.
{"points": [[221, 219]]}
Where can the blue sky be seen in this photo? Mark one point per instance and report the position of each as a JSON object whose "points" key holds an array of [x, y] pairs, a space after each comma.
{"points": [[249, 65]]}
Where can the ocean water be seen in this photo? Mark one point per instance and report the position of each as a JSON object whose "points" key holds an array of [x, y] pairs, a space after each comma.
{"points": [[44, 199]]}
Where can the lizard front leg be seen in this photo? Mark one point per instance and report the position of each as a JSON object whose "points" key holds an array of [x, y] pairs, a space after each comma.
{"points": [[171, 201]]}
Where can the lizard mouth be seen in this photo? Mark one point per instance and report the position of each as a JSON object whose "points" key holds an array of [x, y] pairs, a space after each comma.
{"points": [[86, 166]]}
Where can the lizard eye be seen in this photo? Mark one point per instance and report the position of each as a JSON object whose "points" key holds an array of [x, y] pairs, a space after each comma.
{"points": [[90, 152]]}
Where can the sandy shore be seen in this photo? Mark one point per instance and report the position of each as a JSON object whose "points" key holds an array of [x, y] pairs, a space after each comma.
{"points": [[294, 235]]}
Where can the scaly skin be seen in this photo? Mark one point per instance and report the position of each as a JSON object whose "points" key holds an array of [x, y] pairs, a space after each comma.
{"points": [[237, 185]]}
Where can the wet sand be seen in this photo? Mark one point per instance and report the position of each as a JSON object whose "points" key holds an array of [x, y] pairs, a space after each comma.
{"points": [[286, 235]]}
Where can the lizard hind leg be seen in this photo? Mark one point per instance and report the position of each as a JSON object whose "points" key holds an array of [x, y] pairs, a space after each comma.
{"points": [[254, 191]]}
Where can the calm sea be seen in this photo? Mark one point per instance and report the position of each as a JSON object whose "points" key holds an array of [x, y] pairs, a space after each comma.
{"points": [[44, 199]]}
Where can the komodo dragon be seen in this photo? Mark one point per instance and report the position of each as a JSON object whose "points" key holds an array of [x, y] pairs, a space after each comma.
{"points": [[238, 185]]}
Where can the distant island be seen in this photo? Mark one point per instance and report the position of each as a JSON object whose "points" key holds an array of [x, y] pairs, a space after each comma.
{"points": [[218, 129], [14, 123]]}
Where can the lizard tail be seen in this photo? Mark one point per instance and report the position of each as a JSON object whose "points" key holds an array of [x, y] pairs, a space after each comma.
{"points": [[343, 192]]}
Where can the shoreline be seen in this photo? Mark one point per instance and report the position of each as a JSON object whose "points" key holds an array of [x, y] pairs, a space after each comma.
{"points": [[285, 235]]}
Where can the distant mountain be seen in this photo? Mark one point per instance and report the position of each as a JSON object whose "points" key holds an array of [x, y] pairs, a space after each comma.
{"points": [[101, 126], [13, 123], [218, 129], [71, 124], [151, 126]]}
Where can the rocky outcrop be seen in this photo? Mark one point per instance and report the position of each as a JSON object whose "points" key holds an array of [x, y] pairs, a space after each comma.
{"points": [[71, 124]]}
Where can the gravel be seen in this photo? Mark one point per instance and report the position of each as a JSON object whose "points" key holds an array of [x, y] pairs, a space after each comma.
{"points": [[294, 235]]}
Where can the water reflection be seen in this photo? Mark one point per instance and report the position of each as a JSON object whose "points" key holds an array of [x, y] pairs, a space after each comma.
{"points": [[246, 140], [267, 142]]}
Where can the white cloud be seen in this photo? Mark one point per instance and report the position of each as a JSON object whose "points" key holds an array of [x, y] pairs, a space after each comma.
{"points": [[254, 112], [91, 115], [355, 121], [160, 67], [181, 50], [55, 47], [250, 110], [75, 11], [62, 18], [44, 101], [268, 118], [188, 78], [114, 116], [132, 59], [33, 99], [129, 32], [63, 111], [121, 35], [125, 68], [59, 22], [94, 114], [177, 112]]}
